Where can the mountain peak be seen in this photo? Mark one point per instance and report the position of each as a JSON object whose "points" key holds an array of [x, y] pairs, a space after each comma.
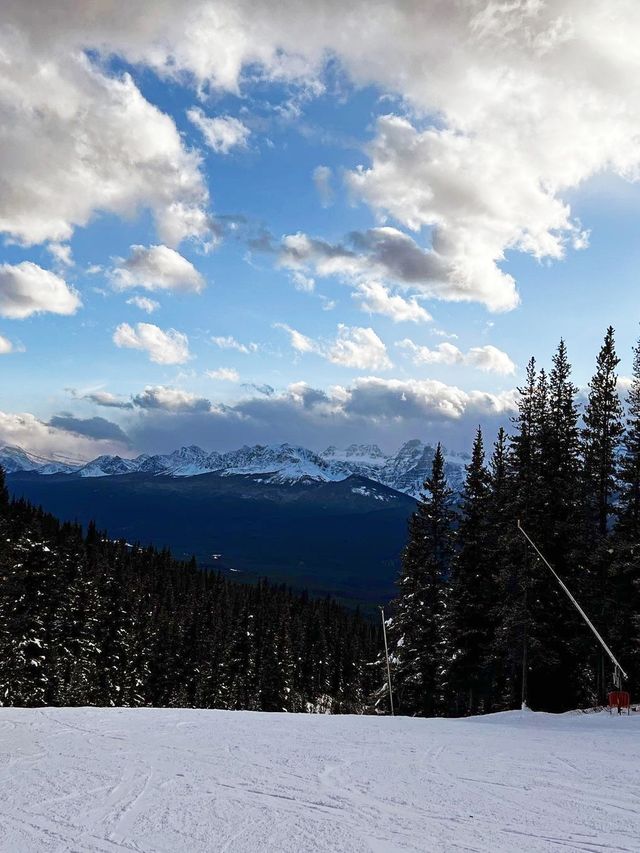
{"points": [[284, 463]]}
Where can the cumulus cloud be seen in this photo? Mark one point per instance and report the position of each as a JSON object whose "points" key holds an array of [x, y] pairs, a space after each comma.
{"points": [[5, 346], [229, 342], [98, 428], [61, 252], [170, 400], [102, 398], [412, 398], [144, 303], [170, 347], [392, 256], [221, 133], [302, 282], [385, 410], [487, 358], [359, 348], [28, 431], [531, 100], [300, 342], [353, 346], [375, 298], [27, 289], [68, 149], [157, 268], [226, 374], [322, 180]]}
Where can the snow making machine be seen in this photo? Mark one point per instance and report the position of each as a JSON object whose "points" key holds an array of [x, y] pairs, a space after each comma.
{"points": [[617, 698]]}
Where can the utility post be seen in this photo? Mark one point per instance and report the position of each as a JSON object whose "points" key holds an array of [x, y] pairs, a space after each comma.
{"points": [[386, 654], [618, 671]]}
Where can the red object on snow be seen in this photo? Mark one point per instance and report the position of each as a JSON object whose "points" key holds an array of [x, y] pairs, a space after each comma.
{"points": [[619, 699]]}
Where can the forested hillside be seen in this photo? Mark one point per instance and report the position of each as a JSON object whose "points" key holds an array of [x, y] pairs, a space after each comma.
{"points": [[480, 623], [88, 621]]}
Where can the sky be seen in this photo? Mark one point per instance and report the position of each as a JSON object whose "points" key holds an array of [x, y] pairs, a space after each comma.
{"points": [[251, 222]]}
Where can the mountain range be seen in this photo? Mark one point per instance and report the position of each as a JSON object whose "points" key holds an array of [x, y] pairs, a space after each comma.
{"points": [[404, 471], [332, 523]]}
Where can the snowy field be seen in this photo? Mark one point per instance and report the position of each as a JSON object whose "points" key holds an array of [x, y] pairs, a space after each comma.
{"points": [[180, 780]]}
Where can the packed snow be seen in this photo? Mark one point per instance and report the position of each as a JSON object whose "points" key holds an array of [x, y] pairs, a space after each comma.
{"points": [[103, 780]]}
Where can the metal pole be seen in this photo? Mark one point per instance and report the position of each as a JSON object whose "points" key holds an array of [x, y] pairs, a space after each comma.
{"points": [[573, 601], [386, 653]]}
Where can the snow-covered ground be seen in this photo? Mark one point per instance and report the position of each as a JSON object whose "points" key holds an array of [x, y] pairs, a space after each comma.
{"points": [[181, 780]]}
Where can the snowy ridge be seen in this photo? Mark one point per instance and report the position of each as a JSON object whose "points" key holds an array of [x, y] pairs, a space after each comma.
{"points": [[404, 471], [166, 780]]}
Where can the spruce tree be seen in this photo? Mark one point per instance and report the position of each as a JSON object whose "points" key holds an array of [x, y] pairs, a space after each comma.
{"points": [[418, 646], [601, 436], [628, 516], [518, 500], [603, 429], [625, 632], [473, 590]]}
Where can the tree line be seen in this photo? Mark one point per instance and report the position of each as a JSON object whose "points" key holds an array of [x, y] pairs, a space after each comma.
{"points": [[89, 621], [479, 623]]}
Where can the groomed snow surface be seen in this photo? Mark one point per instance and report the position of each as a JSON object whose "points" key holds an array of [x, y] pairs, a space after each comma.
{"points": [[90, 779]]}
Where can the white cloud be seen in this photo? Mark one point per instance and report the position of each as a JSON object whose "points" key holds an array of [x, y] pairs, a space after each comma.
{"points": [[531, 100], [302, 282], [27, 289], [353, 346], [76, 141], [300, 342], [170, 400], [25, 430], [490, 359], [102, 398], [487, 358], [412, 398], [322, 180], [226, 374], [229, 342], [144, 303], [170, 347], [359, 348], [5, 346], [157, 268], [221, 133], [375, 298], [61, 252]]}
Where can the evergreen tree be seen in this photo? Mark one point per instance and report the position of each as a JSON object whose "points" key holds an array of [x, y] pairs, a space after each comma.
{"points": [[625, 632], [473, 593], [418, 645], [603, 429], [519, 500], [628, 517], [88, 621]]}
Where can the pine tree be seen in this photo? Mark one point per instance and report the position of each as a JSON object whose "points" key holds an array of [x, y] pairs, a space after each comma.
{"points": [[418, 644], [518, 478], [628, 521], [625, 633], [473, 591], [603, 429]]}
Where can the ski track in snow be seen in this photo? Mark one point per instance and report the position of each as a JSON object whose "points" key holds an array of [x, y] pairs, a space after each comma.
{"points": [[105, 780]]}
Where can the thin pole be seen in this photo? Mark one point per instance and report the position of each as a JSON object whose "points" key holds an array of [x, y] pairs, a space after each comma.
{"points": [[386, 654], [525, 662], [573, 600]]}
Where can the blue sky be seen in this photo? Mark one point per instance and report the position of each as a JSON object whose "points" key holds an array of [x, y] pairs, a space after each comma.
{"points": [[356, 253]]}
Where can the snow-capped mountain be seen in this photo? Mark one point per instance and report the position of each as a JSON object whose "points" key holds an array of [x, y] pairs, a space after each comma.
{"points": [[404, 471], [13, 458]]}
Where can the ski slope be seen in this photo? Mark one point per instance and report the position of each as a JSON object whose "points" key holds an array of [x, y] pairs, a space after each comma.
{"points": [[109, 780]]}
